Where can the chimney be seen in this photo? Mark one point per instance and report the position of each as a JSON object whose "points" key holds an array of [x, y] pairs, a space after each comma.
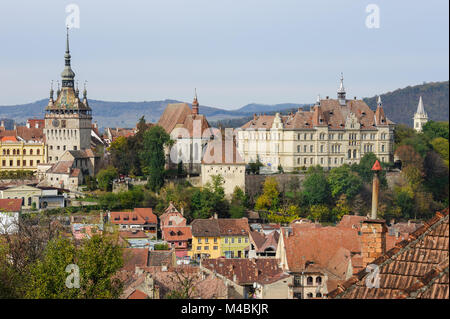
{"points": [[375, 188], [373, 239]]}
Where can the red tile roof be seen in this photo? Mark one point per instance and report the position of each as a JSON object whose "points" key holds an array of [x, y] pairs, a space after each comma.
{"points": [[139, 216], [137, 294], [220, 227], [11, 205], [180, 115], [330, 111], [222, 152], [133, 257], [414, 268], [246, 271], [177, 233], [9, 139]]}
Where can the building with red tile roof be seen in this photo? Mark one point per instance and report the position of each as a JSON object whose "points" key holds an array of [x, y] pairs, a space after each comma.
{"points": [[251, 278], [171, 217], [329, 134], [138, 219], [10, 209], [322, 257], [415, 268]]}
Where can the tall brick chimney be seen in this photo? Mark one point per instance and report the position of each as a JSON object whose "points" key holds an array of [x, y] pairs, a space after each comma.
{"points": [[375, 188], [373, 239], [373, 230]]}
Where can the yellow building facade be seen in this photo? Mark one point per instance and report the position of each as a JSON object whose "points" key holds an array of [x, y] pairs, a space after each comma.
{"points": [[214, 238], [16, 155]]}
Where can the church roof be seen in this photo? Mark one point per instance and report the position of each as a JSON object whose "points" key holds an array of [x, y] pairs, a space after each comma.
{"points": [[420, 108]]}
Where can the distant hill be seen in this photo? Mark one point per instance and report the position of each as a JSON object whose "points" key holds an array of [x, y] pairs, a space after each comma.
{"points": [[399, 106]]}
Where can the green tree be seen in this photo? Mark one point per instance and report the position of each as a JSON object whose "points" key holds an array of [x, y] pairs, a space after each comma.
{"points": [[316, 189], [402, 132], [269, 200], [364, 169], [119, 155], [153, 157], [105, 178], [342, 208], [99, 259], [433, 130], [47, 279], [343, 181], [441, 146], [285, 215], [238, 203], [319, 213]]}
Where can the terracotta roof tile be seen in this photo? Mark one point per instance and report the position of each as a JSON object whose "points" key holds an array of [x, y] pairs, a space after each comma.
{"points": [[415, 268], [10, 205]]}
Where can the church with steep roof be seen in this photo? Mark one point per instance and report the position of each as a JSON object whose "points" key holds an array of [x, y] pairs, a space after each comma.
{"points": [[332, 133], [420, 117]]}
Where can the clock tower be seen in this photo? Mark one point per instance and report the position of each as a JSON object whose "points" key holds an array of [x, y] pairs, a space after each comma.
{"points": [[68, 120]]}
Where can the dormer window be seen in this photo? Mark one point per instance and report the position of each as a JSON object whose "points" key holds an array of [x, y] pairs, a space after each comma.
{"points": [[363, 113]]}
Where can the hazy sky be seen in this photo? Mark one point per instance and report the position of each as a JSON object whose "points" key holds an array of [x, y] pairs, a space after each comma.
{"points": [[234, 52]]}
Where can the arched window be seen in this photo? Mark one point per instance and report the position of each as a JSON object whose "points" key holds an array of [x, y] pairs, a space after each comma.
{"points": [[382, 148], [321, 148], [349, 154], [14, 151], [310, 295], [318, 295], [309, 281], [354, 153], [24, 152], [38, 151], [319, 280], [298, 148], [31, 152]]}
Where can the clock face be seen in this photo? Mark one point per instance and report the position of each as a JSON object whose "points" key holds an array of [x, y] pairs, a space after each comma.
{"points": [[55, 123]]}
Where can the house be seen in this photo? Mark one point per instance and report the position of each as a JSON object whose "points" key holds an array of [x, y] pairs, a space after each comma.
{"points": [[415, 268], [179, 238], [251, 278], [320, 258], [23, 148], [263, 245], [10, 210], [217, 237], [172, 217], [139, 219], [34, 197]]}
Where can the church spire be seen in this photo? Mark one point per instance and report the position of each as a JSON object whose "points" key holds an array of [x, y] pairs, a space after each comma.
{"points": [[67, 75], [379, 103], [420, 108], [195, 104], [341, 91], [51, 91]]}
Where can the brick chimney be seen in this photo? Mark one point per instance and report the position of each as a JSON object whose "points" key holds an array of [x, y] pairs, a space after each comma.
{"points": [[373, 239]]}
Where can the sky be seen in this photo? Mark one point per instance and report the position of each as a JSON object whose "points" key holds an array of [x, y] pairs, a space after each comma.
{"points": [[234, 52]]}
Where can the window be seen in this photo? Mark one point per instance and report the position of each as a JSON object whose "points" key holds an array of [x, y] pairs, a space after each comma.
{"points": [[38, 151], [199, 247], [199, 240], [206, 248], [206, 240], [226, 240], [319, 280], [239, 240], [318, 295], [215, 247], [321, 148], [309, 281], [31, 152], [18, 162], [215, 240], [232, 240], [310, 295], [246, 239], [298, 148]]}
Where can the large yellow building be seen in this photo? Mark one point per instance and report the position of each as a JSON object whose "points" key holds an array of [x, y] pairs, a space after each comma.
{"points": [[20, 155], [214, 238]]}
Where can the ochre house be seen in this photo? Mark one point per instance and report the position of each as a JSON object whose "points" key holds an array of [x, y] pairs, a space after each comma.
{"points": [[213, 238]]}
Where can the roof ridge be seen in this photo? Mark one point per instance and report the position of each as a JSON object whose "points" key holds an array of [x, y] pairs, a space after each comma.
{"points": [[399, 248]]}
